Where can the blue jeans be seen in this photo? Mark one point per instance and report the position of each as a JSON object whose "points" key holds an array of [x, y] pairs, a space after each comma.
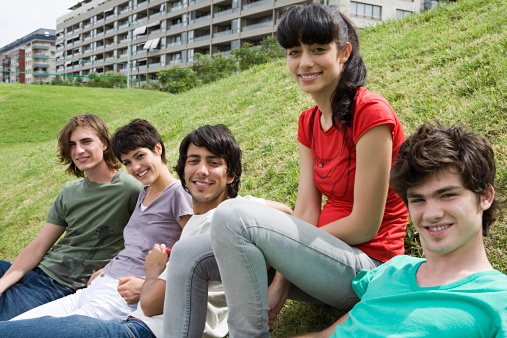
{"points": [[191, 267], [74, 326], [34, 289], [245, 235]]}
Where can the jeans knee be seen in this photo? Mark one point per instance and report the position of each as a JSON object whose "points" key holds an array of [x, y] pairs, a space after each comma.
{"points": [[228, 215]]}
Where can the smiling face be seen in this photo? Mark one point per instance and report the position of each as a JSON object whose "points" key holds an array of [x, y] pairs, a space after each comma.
{"points": [[447, 216], [87, 150], [206, 178], [317, 68], [144, 164]]}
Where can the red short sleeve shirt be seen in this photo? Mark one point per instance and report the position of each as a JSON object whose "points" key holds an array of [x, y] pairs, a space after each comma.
{"points": [[334, 155]]}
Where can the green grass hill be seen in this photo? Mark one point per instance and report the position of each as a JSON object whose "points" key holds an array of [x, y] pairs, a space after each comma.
{"points": [[447, 64]]}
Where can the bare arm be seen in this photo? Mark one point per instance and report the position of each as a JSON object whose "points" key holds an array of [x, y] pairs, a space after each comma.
{"points": [[32, 255], [374, 152], [309, 199], [153, 290]]}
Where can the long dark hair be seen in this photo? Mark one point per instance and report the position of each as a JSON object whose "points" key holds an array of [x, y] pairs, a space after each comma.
{"points": [[318, 24]]}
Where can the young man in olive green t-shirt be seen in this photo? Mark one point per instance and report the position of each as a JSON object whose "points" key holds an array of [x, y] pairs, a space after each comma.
{"points": [[92, 213]]}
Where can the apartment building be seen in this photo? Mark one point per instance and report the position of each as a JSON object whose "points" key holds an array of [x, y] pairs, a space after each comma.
{"points": [[140, 37], [30, 58]]}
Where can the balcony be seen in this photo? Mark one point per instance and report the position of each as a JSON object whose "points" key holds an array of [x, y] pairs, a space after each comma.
{"points": [[201, 38], [40, 74], [175, 8], [41, 47], [41, 65], [227, 11], [200, 19], [222, 33], [141, 4], [40, 56], [177, 25], [195, 2], [154, 15], [256, 3], [258, 25]]}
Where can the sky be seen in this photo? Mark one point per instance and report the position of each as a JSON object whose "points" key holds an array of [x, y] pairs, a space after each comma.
{"points": [[21, 17]]}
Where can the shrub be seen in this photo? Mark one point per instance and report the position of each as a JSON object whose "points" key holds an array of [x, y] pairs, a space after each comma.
{"points": [[177, 79], [213, 68]]}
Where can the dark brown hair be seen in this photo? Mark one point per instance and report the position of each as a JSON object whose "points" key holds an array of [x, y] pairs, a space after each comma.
{"points": [[137, 134], [433, 148]]}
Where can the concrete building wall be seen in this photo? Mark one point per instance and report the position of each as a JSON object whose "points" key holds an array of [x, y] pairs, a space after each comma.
{"points": [[100, 36], [30, 58]]}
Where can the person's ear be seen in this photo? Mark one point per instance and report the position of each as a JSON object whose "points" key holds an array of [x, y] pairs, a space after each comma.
{"points": [[345, 52], [230, 180], [158, 149], [486, 199]]}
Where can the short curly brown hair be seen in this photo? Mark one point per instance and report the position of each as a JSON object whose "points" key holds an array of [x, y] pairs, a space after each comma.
{"points": [[432, 148]]}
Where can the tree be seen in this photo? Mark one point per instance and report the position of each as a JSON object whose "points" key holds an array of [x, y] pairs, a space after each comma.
{"points": [[177, 79], [210, 69], [57, 81], [108, 80], [250, 55]]}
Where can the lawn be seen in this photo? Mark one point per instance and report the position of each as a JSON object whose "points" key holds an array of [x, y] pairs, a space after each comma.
{"points": [[447, 64]]}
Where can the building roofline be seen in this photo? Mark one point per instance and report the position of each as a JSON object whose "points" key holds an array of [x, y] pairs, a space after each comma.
{"points": [[41, 34]]}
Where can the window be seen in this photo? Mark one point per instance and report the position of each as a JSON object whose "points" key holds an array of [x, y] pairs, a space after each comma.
{"points": [[400, 13], [361, 10]]}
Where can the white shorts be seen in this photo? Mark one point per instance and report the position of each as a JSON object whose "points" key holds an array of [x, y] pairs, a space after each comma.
{"points": [[99, 300]]}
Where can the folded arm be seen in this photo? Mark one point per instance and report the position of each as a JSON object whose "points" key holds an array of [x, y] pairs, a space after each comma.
{"points": [[153, 290]]}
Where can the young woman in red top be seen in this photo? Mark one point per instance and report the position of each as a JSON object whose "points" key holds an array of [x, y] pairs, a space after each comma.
{"points": [[347, 144]]}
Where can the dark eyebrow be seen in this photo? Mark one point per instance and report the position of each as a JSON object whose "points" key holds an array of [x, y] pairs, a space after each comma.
{"points": [[86, 139], [435, 193], [447, 189], [206, 157]]}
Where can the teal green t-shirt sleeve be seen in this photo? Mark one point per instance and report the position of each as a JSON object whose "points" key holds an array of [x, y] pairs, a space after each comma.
{"points": [[361, 281], [502, 324]]}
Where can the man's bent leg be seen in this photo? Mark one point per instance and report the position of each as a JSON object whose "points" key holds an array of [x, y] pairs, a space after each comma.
{"points": [[191, 267], [34, 289]]}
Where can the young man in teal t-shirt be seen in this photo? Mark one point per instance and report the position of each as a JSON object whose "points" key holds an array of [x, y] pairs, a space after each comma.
{"points": [[445, 175]]}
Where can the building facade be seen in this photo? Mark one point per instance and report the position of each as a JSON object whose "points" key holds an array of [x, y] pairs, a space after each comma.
{"points": [[140, 37], [29, 59]]}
